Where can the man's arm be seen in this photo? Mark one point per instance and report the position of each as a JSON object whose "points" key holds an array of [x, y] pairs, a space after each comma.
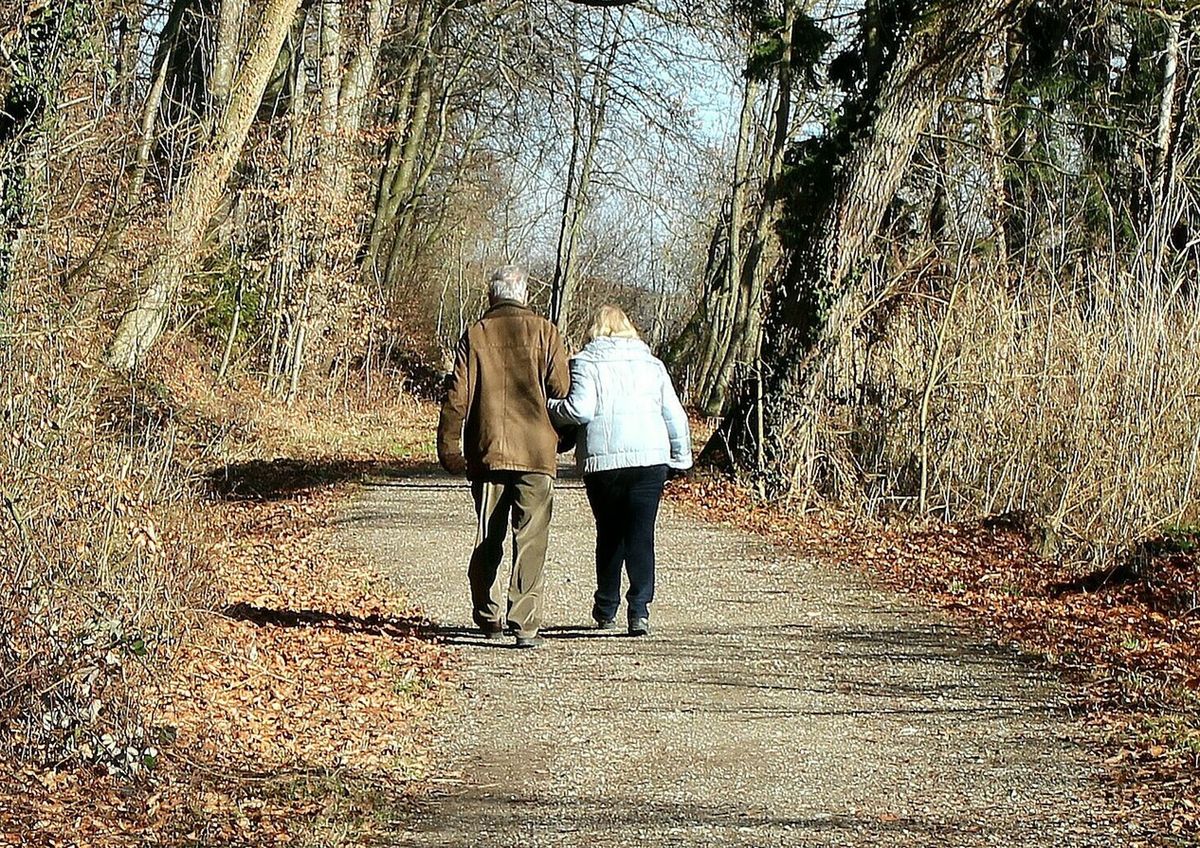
{"points": [[454, 413], [580, 404], [558, 371]]}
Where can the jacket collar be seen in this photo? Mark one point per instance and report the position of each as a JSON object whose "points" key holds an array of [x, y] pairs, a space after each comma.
{"points": [[500, 304], [610, 346]]}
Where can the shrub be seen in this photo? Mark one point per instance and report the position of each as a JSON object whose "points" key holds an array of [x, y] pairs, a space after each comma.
{"points": [[99, 542]]}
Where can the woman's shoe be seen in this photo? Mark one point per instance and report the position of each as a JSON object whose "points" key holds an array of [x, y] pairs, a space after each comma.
{"points": [[639, 627]]}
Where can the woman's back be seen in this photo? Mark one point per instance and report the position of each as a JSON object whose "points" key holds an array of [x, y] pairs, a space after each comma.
{"points": [[632, 416]]}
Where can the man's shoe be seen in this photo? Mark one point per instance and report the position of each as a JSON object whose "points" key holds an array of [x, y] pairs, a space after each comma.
{"points": [[491, 631], [604, 623], [639, 627], [530, 641]]}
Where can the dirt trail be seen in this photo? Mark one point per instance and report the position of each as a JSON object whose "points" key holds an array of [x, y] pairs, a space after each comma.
{"points": [[780, 703]]}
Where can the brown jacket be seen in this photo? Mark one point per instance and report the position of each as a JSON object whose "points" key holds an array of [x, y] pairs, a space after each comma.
{"points": [[507, 365]]}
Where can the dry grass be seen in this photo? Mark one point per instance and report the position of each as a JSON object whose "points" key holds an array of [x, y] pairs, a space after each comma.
{"points": [[116, 555], [155, 631], [239, 420], [1075, 400], [102, 546]]}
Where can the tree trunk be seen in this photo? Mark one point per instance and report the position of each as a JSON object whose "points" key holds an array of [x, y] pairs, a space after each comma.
{"points": [[577, 200], [1166, 113], [716, 347], [201, 193], [410, 118], [562, 254], [225, 51], [360, 71], [128, 35], [683, 352], [749, 277], [291, 301], [991, 81], [319, 307]]}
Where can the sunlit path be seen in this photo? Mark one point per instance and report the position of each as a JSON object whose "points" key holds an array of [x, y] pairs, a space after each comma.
{"points": [[780, 703]]}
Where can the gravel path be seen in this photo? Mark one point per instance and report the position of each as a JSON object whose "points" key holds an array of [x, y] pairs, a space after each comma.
{"points": [[779, 703]]}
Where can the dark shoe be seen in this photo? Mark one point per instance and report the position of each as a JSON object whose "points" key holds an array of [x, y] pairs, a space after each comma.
{"points": [[639, 627], [491, 631], [604, 623], [530, 641]]}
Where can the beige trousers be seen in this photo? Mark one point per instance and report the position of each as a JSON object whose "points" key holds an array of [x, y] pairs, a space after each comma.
{"points": [[524, 501]]}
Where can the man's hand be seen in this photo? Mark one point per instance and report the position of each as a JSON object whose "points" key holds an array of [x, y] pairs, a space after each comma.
{"points": [[454, 463]]}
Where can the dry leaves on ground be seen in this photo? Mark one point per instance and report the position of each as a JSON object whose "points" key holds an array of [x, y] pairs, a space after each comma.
{"points": [[299, 707]]}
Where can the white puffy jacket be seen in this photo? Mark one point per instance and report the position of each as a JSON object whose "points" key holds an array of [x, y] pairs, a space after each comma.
{"points": [[622, 395]]}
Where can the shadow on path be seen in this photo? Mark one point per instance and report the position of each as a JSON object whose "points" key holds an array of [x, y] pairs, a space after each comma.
{"points": [[279, 479], [491, 809], [374, 625]]}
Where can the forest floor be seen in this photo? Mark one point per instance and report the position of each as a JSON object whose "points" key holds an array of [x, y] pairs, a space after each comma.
{"points": [[789, 695], [296, 705]]}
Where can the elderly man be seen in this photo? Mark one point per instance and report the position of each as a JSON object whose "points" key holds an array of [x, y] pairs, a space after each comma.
{"points": [[495, 427]]}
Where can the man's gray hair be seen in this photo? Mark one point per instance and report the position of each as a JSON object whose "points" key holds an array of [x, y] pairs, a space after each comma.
{"points": [[509, 282]]}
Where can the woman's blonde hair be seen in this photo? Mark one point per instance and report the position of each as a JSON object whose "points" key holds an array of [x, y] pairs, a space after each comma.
{"points": [[612, 321]]}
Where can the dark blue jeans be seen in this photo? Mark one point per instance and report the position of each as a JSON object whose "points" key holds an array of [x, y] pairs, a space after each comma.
{"points": [[625, 504]]}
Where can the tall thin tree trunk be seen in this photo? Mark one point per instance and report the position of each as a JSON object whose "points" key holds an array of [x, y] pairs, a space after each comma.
{"points": [[991, 80], [562, 257], [1166, 112], [360, 71], [748, 282], [318, 307], [410, 117], [721, 331], [292, 300], [193, 207], [128, 36], [577, 202], [225, 51], [234, 326]]}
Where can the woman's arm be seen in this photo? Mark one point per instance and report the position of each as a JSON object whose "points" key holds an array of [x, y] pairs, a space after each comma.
{"points": [[677, 424], [579, 406]]}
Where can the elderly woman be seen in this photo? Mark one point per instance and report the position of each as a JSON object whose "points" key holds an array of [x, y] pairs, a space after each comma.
{"points": [[633, 431]]}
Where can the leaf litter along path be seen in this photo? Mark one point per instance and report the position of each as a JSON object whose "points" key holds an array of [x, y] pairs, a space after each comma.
{"points": [[781, 702]]}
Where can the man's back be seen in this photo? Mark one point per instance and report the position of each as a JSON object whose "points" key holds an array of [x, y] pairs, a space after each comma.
{"points": [[496, 427], [507, 365]]}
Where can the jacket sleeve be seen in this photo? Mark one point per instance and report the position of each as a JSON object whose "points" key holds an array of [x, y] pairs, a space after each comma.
{"points": [[579, 406], [558, 379], [454, 410], [677, 425]]}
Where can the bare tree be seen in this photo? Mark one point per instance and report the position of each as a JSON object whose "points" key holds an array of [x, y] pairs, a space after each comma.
{"points": [[201, 193], [590, 92], [225, 50]]}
